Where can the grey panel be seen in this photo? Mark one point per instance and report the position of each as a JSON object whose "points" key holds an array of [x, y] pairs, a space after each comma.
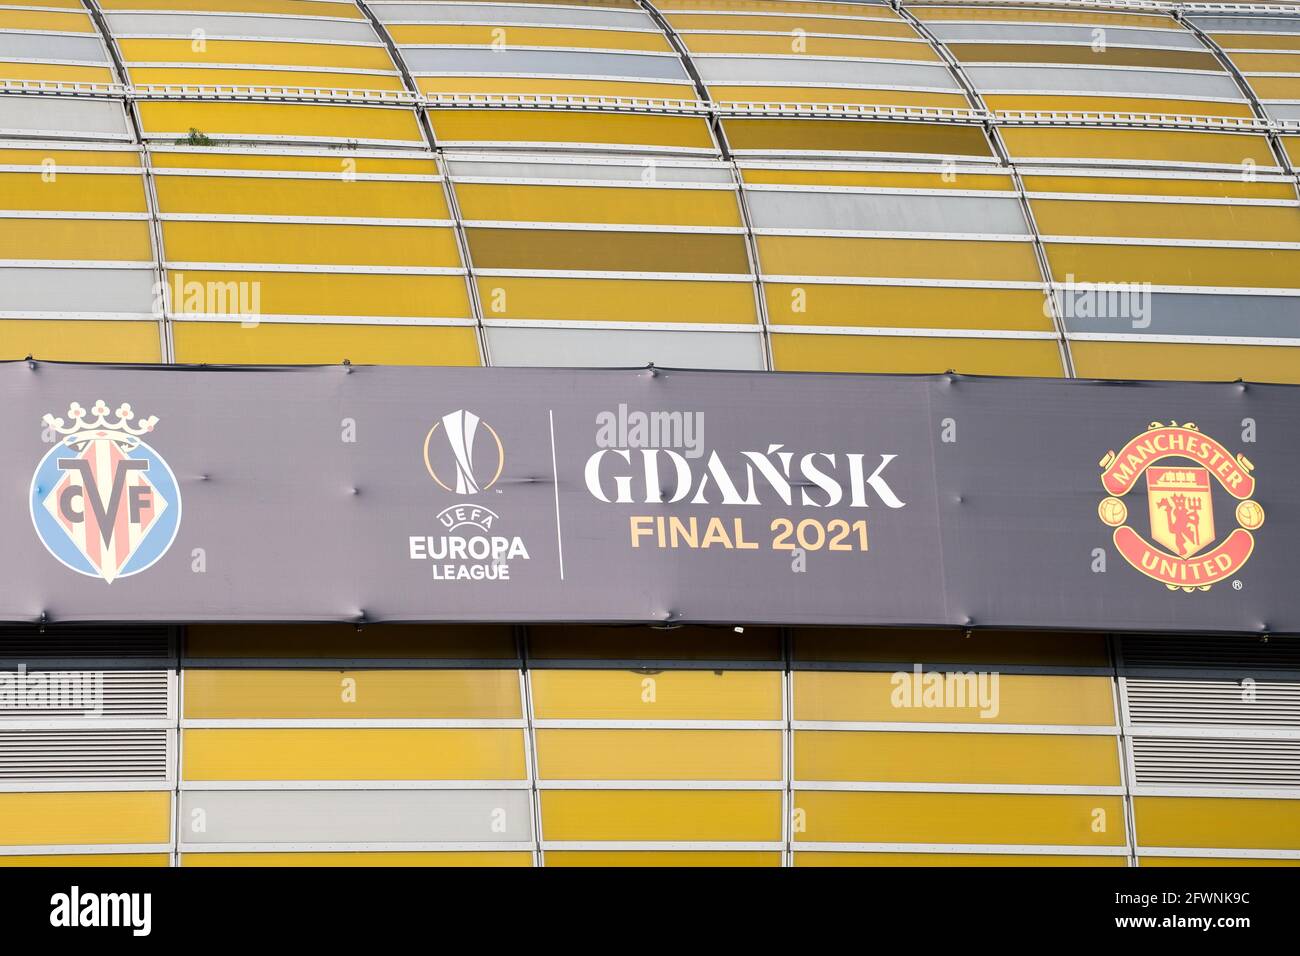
{"points": [[543, 62], [715, 69], [31, 114], [1051, 79], [1283, 111], [1173, 313], [887, 212], [357, 816], [611, 172], [37, 46], [623, 348], [1247, 24], [503, 13], [28, 289], [1045, 32], [265, 28]]}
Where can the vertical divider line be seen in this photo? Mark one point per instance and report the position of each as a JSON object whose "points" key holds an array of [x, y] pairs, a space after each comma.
{"points": [[179, 633], [787, 745], [994, 134], [162, 296], [530, 742], [555, 473], [444, 170], [1119, 685]]}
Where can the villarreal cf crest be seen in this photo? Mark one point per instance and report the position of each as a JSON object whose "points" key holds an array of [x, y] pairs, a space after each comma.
{"points": [[103, 501]]}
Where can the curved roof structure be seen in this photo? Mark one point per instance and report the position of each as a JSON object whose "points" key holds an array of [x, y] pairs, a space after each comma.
{"points": [[1101, 189]]}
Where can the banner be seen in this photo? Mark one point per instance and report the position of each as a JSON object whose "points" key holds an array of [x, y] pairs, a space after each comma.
{"points": [[172, 494]]}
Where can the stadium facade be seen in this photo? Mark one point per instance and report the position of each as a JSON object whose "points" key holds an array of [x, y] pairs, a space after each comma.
{"points": [[1060, 190]]}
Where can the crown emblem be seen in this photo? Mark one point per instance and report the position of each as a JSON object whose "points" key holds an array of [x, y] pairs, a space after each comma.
{"points": [[124, 430]]}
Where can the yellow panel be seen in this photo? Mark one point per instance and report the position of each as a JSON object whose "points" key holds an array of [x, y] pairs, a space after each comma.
{"points": [[1275, 87], [607, 250], [902, 355], [1076, 102], [1083, 55], [738, 93], [1158, 145], [352, 754], [208, 76], [906, 307], [267, 52], [72, 191], [939, 178], [659, 754], [1211, 861], [1217, 823], [1255, 41], [1266, 63], [672, 858], [392, 195], [952, 859], [15, 155], [598, 204], [1061, 217], [622, 300], [363, 858], [552, 86], [108, 240], [46, 20], [703, 815], [670, 695], [89, 859], [301, 344], [301, 197], [1056, 15], [352, 694], [84, 818], [906, 646], [1181, 361], [898, 258], [1176, 265], [492, 126], [56, 72], [809, 45], [306, 8], [1292, 146], [1055, 759], [868, 136], [280, 120], [983, 818], [267, 642], [1019, 699], [312, 244], [345, 294], [504, 36], [787, 24], [62, 340], [800, 7], [1228, 188]]}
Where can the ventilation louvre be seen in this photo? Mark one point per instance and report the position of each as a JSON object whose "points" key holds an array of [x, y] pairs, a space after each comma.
{"points": [[1181, 761], [1215, 702], [97, 754], [83, 694]]}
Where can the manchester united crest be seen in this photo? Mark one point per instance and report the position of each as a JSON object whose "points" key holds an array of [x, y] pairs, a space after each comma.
{"points": [[102, 500], [1180, 468]]}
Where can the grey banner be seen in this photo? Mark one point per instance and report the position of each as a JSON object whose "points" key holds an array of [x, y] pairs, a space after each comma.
{"points": [[402, 494]]}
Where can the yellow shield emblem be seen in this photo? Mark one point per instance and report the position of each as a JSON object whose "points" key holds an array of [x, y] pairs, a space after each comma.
{"points": [[1182, 511]]}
